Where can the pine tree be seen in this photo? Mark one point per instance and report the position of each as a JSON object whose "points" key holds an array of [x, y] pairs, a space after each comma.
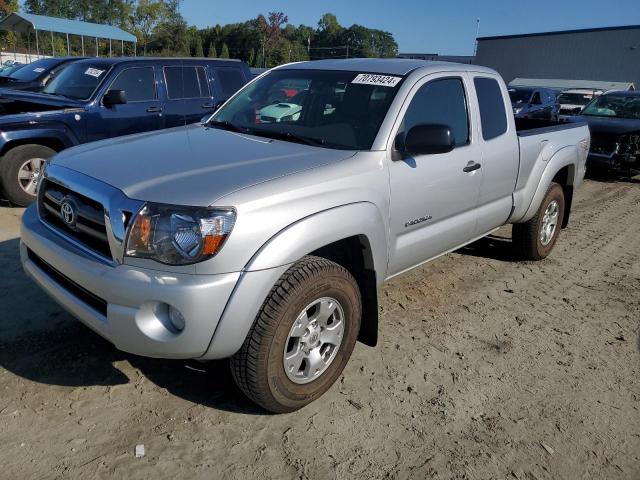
{"points": [[225, 51], [213, 53], [199, 51]]}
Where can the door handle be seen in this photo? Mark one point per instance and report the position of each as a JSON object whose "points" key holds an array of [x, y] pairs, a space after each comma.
{"points": [[208, 105], [471, 166], [154, 109]]}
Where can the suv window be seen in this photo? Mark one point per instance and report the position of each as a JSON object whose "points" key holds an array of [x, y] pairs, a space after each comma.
{"points": [[535, 100], [441, 102], [492, 112], [231, 80], [186, 82], [139, 84]]}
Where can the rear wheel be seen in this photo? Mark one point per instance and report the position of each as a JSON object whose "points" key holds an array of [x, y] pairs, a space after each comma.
{"points": [[535, 239], [302, 338], [20, 171]]}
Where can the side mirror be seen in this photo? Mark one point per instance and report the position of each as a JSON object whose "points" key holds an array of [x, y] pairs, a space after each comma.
{"points": [[114, 97], [429, 139]]}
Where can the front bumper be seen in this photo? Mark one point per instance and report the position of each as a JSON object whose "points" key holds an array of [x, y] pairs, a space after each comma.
{"points": [[612, 161], [126, 305]]}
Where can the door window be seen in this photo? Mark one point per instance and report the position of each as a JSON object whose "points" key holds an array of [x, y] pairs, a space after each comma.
{"points": [[492, 112], [139, 84], [535, 100], [186, 82], [441, 102]]}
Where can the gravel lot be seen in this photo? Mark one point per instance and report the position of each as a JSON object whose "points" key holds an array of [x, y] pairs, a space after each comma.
{"points": [[486, 368]]}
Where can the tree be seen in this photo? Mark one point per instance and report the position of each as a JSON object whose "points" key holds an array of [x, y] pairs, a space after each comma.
{"points": [[213, 53], [252, 57], [146, 19], [224, 53], [199, 50]]}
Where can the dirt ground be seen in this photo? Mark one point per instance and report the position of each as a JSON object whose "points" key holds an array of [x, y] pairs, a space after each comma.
{"points": [[486, 368]]}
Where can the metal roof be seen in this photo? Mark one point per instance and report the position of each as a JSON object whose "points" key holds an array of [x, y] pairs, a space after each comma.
{"points": [[24, 22], [560, 84], [561, 32]]}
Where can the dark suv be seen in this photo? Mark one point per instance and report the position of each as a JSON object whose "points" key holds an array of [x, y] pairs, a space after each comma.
{"points": [[538, 103], [100, 98]]}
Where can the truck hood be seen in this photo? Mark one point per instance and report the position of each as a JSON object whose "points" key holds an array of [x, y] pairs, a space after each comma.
{"points": [[608, 126], [192, 165]]}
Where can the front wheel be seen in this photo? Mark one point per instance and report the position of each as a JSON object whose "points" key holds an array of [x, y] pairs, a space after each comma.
{"points": [[302, 337], [535, 239], [20, 170]]}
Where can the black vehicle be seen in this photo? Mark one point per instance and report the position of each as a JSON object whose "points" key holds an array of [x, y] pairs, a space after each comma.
{"points": [[35, 75], [536, 103], [614, 121]]}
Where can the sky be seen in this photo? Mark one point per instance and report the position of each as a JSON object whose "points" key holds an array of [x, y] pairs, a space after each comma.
{"points": [[429, 26]]}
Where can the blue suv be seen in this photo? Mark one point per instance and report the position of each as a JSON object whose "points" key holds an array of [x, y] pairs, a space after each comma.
{"points": [[99, 98]]}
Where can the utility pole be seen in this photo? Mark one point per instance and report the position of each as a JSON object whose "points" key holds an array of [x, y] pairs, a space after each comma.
{"points": [[475, 48], [309, 47]]}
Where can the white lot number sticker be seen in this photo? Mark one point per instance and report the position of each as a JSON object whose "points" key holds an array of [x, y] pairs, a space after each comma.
{"points": [[38, 70], [94, 72], [378, 80]]}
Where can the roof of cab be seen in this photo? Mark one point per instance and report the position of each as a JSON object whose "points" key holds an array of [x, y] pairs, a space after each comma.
{"points": [[387, 66]]}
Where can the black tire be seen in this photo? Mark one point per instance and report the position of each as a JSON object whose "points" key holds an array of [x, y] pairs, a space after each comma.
{"points": [[10, 165], [526, 236], [258, 367]]}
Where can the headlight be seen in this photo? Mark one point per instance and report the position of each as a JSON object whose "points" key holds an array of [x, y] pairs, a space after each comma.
{"points": [[177, 235]]}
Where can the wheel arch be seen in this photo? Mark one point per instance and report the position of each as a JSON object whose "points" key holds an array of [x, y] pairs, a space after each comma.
{"points": [[356, 240]]}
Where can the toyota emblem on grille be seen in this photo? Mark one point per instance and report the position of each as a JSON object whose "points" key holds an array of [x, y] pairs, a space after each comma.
{"points": [[68, 213]]}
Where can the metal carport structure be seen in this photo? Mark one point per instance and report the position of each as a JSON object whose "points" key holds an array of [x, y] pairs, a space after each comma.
{"points": [[28, 22]]}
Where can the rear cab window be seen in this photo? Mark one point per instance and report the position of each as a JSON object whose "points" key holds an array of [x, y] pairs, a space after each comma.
{"points": [[493, 117]]}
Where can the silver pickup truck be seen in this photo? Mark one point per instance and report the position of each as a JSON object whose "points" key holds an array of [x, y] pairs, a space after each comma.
{"points": [[263, 237]]}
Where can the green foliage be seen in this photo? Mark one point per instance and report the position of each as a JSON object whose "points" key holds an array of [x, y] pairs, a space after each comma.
{"points": [[224, 53], [213, 53], [199, 50], [263, 41]]}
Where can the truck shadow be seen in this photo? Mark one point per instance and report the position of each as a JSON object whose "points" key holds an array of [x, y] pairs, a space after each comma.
{"points": [[495, 247], [42, 343]]}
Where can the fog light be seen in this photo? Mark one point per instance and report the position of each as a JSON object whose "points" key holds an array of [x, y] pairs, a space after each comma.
{"points": [[176, 318]]}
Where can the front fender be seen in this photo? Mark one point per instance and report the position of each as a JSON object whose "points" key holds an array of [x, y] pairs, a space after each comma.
{"points": [[276, 255], [320, 229], [525, 210]]}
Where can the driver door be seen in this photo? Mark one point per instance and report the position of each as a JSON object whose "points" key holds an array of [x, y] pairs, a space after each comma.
{"points": [[141, 113], [434, 197]]}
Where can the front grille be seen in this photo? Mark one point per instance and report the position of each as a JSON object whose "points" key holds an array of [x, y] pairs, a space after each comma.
{"points": [[82, 294], [88, 227], [603, 144]]}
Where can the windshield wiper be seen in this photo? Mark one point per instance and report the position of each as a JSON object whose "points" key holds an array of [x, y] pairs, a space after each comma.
{"points": [[225, 125], [291, 137]]}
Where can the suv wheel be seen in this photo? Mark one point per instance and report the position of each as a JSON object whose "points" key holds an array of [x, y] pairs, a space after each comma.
{"points": [[302, 338], [535, 239], [20, 171]]}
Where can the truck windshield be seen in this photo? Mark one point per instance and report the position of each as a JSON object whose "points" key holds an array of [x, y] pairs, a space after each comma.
{"points": [[332, 109], [519, 96], [78, 81], [618, 106]]}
